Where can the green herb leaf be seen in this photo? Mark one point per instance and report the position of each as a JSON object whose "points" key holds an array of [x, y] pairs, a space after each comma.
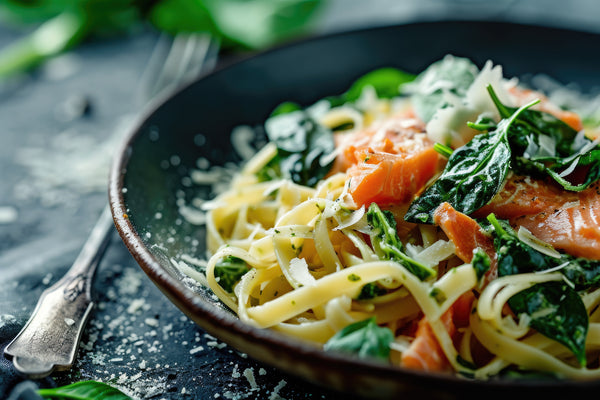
{"points": [[304, 149], [87, 390], [385, 81], [543, 145], [449, 76], [556, 309], [557, 312], [229, 270], [370, 291], [366, 339], [260, 23], [387, 244], [481, 263]]}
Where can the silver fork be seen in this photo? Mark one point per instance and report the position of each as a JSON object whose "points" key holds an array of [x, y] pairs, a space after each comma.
{"points": [[49, 340]]}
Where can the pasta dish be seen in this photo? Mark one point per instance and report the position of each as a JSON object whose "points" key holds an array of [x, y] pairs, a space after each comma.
{"points": [[448, 221]]}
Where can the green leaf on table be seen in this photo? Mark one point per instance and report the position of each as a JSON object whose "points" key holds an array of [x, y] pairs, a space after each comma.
{"points": [[175, 16], [365, 339], [260, 23], [86, 390]]}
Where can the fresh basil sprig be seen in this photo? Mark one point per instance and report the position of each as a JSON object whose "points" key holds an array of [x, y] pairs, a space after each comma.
{"points": [[304, 149], [544, 145], [473, 175], [365, 338], [85, 390]]}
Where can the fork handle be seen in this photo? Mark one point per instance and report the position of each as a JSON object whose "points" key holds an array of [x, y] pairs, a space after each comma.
{"points": [[50, 338]]}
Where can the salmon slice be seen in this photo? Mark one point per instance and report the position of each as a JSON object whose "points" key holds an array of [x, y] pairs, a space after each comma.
{"points": [[389, 164], [569, 221], [425, 352], [525, 96], [467, 235]]}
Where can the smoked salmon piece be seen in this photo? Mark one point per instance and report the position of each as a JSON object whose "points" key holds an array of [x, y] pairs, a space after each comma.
{"points": [[569, 221], [425, 352], [390, 163], [467, 235]]}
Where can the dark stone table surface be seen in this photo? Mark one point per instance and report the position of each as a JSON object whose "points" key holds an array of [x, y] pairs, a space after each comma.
{"points": [[59, 128]]}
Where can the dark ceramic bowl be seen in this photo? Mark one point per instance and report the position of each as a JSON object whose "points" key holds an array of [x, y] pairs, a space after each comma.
{"points": [[149, 173]]}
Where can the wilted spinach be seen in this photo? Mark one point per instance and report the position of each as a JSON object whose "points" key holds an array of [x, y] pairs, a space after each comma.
{"points": [[365, 338], [473, 175], [387, 244], [304, 149], [555, 308], [451, 75], [543, 145], [517, 257], [557, 312], [229, 270]]}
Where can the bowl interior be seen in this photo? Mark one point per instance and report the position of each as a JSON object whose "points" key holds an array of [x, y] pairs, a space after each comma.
{"points": [[150, 180]]}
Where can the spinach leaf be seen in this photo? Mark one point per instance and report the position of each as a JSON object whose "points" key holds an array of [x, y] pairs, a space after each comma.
{"points": [[557, 312], [365, 338], [543, 145], [370, 291], [304, 149], [555, 308], [285, 108], [387, 244], [481, 263], [385, 81], [86, 390], [450, 76], [473, 175], [517, 257], [229, 270]]}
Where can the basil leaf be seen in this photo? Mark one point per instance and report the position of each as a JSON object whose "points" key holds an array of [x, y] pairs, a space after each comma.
{"points": [[557, 312], [229, 270], [365, 338], [87, 390], [304, 149], [449, 76], [387, 244]]}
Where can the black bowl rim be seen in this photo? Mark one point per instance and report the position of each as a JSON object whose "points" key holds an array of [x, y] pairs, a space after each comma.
{"points": [[179, 293]]}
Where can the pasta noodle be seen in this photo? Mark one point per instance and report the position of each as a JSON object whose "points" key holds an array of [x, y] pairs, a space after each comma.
{"points": [[308, 265]]}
